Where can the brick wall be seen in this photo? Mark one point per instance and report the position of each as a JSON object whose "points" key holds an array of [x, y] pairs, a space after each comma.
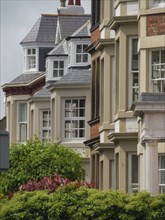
{"points": [[155, 24], [95, 35], [94, 130]]}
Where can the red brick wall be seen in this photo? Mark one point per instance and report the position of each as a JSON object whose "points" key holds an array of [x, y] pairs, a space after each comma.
{"points": [[155, 24], [94, 130], [95, 35]]}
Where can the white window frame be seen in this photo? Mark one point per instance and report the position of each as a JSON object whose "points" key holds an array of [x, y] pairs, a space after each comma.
{"points": [[46, 128], [132, 187], [132, 73], [160, 170], [77, 119], [58, 68], [157, 3], [27, 57], [158, 67], [22, 124], [81, 54]]}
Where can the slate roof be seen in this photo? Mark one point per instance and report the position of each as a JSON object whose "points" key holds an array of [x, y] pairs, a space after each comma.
{"points": [[26, 78], [43, 30], [75, 76], [84, 30], [43, 92], [70, 23], [59, 49]]}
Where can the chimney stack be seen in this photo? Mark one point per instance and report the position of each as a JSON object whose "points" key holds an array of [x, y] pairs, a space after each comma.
{"points": [[70, 2], [78, 2], [62, 3]]}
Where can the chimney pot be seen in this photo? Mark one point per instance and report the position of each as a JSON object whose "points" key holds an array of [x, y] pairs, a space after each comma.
{"points": [[78, 2], [70, 2]]}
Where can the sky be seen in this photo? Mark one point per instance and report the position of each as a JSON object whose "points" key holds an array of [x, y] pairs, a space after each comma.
{"points": [[17, 17]]}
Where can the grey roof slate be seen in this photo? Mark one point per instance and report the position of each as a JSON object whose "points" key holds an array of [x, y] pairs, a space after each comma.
{"points": [[70, 23], [75, 76], [84, 30], [43, 92], [58, 50], [26, 78], [43, 30]]}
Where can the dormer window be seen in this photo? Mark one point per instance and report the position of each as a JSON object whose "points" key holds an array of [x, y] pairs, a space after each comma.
{"points": [[81, 54], [31, 59], [58, 68]]}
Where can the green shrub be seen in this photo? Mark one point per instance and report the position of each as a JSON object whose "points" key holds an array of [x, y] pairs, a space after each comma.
{"points": [[158, 207], [35, 160]]}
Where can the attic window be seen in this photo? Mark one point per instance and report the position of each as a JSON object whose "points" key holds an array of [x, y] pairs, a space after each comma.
{"points": [[31, 58], [81, 54], [58, 68]]}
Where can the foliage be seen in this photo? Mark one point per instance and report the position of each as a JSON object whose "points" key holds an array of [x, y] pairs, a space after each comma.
{"points": [[35, 160], [75, 202]]}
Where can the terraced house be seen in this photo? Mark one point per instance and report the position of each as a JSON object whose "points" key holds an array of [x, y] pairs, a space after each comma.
{"points": [[127, 125], [51, 98]]}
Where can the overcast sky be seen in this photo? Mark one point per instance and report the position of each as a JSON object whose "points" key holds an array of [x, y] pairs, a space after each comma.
{"points": [[17, 17]]}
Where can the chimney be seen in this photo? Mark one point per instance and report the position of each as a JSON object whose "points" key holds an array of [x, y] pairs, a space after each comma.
{"points": [[70, 2], [62, 3], [78, 2]]}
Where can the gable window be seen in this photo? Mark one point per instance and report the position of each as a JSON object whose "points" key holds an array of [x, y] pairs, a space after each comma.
{"points": [[58, 68], [161, 168], [158, 70], [81, 54], [132, 173], [31, 58], [134, 70], [74, 120], [46, 125], [22, 122]]}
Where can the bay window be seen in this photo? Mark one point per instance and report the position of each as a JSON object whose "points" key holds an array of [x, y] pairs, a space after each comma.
{"points": [[161, 167], [74, 118], [58, 68], [22, 122], [158, 70], [81, 54], [46, 125]]}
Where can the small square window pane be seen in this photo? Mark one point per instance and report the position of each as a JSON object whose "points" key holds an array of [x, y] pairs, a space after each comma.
{"points": [[68, 124], [82, 112], [82, 124], [29, 51], [155, 72], [74, 124], [82, 103], [67, 103], [61, 64], [85, 58], [81, 133], [162, 162], [163, 56], [55, 64], [55, 73], [23, 131], [78, 58], [79, 49], [157, 86], [67, 134], [74, 133], [155, 57], [75, 103], [162, 176], [33, 51], [61, 73]]}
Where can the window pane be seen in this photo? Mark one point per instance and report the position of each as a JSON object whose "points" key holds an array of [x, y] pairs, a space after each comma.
{"points": [[67, 103], [74, 133], [82, 112], [134, 55], [75, 103], [155, 57], [85, 58], [67, 113], [157, 86], [33, 51], [163, 56], [29, 51], [75, 124], [84, 47], [78, 58], [155, 72], [55, 73], [79, 49], [75, 113], [68, 125], [162, 162], [61, 73], [55, 64], [82, 103], [23, 132], [81, 133], [162, 176], [61, 64], [134, 174], [82, 124], [22, 112]]}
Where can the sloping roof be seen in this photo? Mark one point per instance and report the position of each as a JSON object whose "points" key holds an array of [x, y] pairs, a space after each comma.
{"points": [[75, 76], [84, 30], [26, 78], [43, 30], [59, 49], [43, 92], [70, 23]]}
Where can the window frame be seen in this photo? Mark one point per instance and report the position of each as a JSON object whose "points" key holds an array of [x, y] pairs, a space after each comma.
{"points": [[27, 56], [82, 54], [158, 79], [22, 122], [132, 89], [157, 3], [58, 68], [74, 118], [161, 185], [132, 187], [46, 128]]}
